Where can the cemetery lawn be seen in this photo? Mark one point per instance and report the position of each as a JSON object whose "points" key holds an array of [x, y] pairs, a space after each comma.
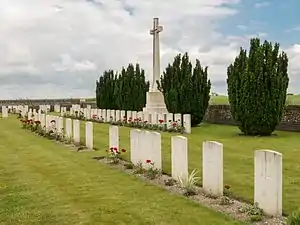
{"points": [[238, 156], [43, 182]]}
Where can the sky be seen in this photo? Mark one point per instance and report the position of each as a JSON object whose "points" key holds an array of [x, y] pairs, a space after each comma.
{"points": [[59, 48]]}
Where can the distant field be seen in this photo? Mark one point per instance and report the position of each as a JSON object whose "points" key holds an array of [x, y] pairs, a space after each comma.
{"points": [[223, 100]]}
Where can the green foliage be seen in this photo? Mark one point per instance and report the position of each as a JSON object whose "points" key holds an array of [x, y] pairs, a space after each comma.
{"points": [[186, 89], [257, 87], [294, 218], [125, 90]]}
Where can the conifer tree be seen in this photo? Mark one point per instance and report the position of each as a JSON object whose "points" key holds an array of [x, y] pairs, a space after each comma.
{"points": [[186, 89], [257, 87]]}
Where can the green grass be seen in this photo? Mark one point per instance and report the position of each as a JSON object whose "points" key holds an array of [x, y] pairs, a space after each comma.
{"points": [[43, 182], [223, 100], [238, 156]]}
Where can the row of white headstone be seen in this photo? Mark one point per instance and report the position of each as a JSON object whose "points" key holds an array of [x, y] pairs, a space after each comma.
{"points": [[70, 129], [146, 145], [120, 115]]}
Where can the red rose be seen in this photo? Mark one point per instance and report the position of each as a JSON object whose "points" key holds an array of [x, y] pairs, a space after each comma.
{"points": [[148, 161], [160, 121], [116, 149]]}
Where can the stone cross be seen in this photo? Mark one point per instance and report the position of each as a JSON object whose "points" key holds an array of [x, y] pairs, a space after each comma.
{"points": [[156, 54]]}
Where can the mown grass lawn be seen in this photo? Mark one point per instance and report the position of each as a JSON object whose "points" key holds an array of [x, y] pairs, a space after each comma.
{"points": [[238, 156], [43, 182]]}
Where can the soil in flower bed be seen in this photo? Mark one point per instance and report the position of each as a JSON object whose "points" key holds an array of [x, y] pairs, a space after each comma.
{"points": [[237, 209]]}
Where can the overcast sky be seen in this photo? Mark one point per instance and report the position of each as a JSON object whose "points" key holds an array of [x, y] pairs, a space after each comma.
{"points": [[58, 48]]}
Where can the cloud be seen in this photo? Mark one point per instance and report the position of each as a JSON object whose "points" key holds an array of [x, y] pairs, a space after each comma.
{"points": [[242, 27], [293, 29], [261, 4], [59, 48]]}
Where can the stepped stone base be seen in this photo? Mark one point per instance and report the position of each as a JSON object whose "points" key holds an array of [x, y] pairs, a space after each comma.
{"points": [[155, 103]]}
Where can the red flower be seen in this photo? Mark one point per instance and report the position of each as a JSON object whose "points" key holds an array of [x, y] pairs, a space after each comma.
{"points": [[145, 121], [111, 148], [94, 116], [174, 124], [148, 161], [161, 121], [115, 148], [123, 150]]}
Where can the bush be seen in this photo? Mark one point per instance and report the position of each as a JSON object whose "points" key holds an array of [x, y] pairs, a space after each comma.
{"points": [[257, 87]]}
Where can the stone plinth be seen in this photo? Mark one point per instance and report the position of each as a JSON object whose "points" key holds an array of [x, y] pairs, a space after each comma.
{"points": [[155, 103]]}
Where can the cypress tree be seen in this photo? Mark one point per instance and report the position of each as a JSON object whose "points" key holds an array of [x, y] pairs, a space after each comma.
{"points": [[257, 87], [186, 89], [125, 90]]}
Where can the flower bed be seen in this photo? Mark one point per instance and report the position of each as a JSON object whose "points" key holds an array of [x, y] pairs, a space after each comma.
{"points": [[51, 133], [138, 123], [191, 188]]}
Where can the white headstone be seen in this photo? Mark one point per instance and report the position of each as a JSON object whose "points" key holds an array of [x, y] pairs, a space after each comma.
{"points": [[113, 115], [114, 137], [268, 181], [154, 148], [123, 115], [179, 157], [187, 123], [134, 115], [134, 146], [89, 135], [212, 162], [60, 125], [169, 120], [68, 128], [177, 118], [118, 115], [76, 131]]}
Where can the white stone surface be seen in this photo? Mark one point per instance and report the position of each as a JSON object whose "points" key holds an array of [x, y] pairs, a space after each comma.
{"points": [[104, 115], [68, 128], [179, 157], [187, 123], [129, 115], [153, 148], [123, 115], [135, 152], [268, 181], [134, 115], [177, 118], [89, 135], [43, 120], [113, 115], [114, 137], [108, 116], [169, 120], [118, 115], [154, 98], [60, 125], [76, 131], [212, 171]]}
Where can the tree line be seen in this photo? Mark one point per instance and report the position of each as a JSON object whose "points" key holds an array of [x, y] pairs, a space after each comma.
{"points": [[257, 83]]}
